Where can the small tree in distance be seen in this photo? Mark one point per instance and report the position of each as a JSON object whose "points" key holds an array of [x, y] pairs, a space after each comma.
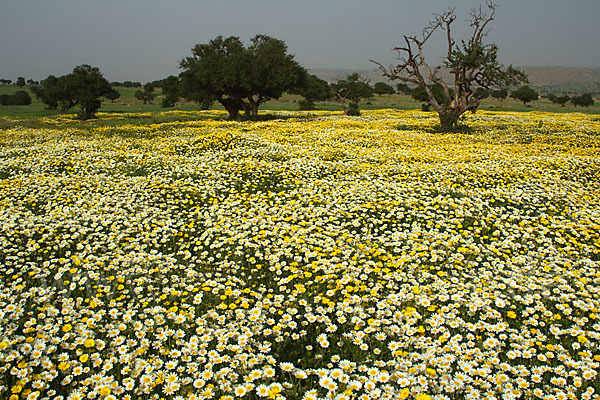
{"points": [[353, 88], [315, 89], [403, 88], [499, 94], [524, 94], [84, 86], [20, 81], [472, 63], [147, 95], [112, 95], [382, 88], [562, 100], [420, 94], [585, 100]]}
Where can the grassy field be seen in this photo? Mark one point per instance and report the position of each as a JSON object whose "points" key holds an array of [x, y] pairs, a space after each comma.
{"points": [[177, 255], [129, 104]]}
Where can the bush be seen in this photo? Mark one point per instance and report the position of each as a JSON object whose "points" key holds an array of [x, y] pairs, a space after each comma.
{"points": [[20, 98], [306, 105], [353, 110], [585, 100]]}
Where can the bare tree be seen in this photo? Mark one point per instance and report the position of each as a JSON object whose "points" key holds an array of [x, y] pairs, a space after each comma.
{"points": [[472, 64]]}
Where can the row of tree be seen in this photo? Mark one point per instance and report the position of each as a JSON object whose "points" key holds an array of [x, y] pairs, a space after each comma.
{"points": [[584, 100], [242, 78], [19, 82]]}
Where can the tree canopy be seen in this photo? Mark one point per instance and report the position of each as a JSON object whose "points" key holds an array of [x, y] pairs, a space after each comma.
{"points": [[382, 88], [239, 77], [471, 63], [314, 89], [20, 98], [421, 94], [84, 86], [584, 100], [524, 94], [353, 88], [171, 89], [499, 94], [147, 95]]}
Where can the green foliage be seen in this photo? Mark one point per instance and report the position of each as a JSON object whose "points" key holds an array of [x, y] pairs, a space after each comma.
{"points": [[585, 100], [306, 105], [88, 85], [420, 94], [239, 77], [20, 98], [524, 94], [84, 86], [147, 95], [314, 89], [382, 88], [55, 92], [112, 95], [481, 93], [353, 88], [171, 89], [353, 110], [499, 94], [127, 84], [20, 81], [403, 88], [562, 100]]}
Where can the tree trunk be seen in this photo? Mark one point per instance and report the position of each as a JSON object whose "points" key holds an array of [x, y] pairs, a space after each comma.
{"points": [[231, 106], [253, 105], [448, 120]]}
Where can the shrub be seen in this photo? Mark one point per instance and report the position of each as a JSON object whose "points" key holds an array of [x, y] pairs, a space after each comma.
{"points": [[20, 98], [306, 105]]}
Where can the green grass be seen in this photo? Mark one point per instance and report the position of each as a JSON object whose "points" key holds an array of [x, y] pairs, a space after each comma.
{"points": [[127, 103]]}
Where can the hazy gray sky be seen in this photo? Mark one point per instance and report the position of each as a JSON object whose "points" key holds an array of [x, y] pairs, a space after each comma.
{"points": [[144, 40]]}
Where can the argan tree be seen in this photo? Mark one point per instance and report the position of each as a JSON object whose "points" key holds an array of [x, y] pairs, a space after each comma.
{"points": [[171, 90], [314, 89], [382, 88], [524, 94], [350, 91], [84, 86], [403, 88], [499, 94], [421, 94], [585, 100], [471, 63], [147, 95], [240, 78], [562, 100]]}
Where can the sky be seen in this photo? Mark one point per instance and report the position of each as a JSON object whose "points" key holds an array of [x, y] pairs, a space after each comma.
{"points": [[144, 40]]}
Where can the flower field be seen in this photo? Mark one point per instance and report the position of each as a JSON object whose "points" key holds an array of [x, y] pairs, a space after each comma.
{"points": [[314, 256]]}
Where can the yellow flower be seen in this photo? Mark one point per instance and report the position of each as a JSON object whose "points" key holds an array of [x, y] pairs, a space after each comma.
{"points": [[89, 343], [104, 391]]}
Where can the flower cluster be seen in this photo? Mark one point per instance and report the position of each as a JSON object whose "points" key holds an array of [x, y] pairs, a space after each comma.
{"points": [[310, 257]]}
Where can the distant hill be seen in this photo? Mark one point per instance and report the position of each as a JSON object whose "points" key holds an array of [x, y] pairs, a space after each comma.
{"points": [[545, 79]]}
